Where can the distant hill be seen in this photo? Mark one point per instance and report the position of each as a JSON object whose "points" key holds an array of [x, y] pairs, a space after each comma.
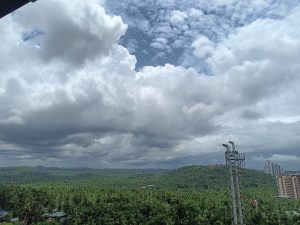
{"points": [[292, 173], [23, 175], [202, 177], [207, 177]]}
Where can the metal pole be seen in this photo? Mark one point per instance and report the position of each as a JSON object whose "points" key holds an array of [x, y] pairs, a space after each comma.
{"points": [[233, 195], [239, 202]]}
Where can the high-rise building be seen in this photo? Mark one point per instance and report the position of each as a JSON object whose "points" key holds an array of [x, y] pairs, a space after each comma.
{"points": [[289, 186], [273, 168]]}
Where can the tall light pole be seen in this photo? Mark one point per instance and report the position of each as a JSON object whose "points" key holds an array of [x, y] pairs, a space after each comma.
{"points": [[234, 161], [232, 185], [238, 190]]}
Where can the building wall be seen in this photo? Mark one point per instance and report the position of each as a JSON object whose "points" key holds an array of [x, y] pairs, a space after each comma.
{"points": [[289, 186], [272, 168], [296, 184]]}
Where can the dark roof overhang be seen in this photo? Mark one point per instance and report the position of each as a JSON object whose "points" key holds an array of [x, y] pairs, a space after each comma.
{"points": [[8, 6]]}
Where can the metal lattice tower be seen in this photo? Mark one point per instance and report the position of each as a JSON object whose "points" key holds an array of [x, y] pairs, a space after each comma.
{"points": [[234, 161]]}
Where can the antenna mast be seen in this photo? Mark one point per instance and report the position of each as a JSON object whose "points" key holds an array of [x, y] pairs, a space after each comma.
{"points": [[234, 161]]}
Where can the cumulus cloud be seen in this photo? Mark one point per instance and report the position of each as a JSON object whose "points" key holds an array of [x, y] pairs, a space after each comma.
{"points": [[73, 94], [178, 17], [195, 13], [260, 75], [203, 47], [182, 23], [72, 35]]}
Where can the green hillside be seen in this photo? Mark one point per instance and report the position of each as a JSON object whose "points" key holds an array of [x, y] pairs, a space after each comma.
{"points": [[205, 177], [202, 177], [192, 195]]}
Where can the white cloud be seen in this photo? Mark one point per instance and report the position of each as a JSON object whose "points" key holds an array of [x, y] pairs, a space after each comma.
{"points": [[203, 47], [189, 19], [279, 158], [258, 66], [288, 119], [80, 37], [178, 17], [79, 97], [195, 13]]}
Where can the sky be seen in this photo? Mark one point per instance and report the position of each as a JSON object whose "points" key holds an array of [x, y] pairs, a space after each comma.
{"points": [[150, 83]]}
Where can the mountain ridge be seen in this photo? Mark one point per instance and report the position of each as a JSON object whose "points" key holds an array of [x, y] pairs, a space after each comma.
{"points": [[193, 176]]}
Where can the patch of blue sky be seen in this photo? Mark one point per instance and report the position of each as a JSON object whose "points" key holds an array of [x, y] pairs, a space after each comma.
{"points": [[31, 34], [189, 60], [150, 21]]}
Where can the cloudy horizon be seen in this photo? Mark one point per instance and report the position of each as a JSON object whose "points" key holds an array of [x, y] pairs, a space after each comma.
{"points": [[149, 84]]}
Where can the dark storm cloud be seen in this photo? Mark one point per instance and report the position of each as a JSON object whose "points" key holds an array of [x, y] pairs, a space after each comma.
{"points": [[250, 114]]}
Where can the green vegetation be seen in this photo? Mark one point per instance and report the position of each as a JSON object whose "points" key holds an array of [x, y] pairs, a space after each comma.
{"points": [[187, 196], [199, 177]]}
